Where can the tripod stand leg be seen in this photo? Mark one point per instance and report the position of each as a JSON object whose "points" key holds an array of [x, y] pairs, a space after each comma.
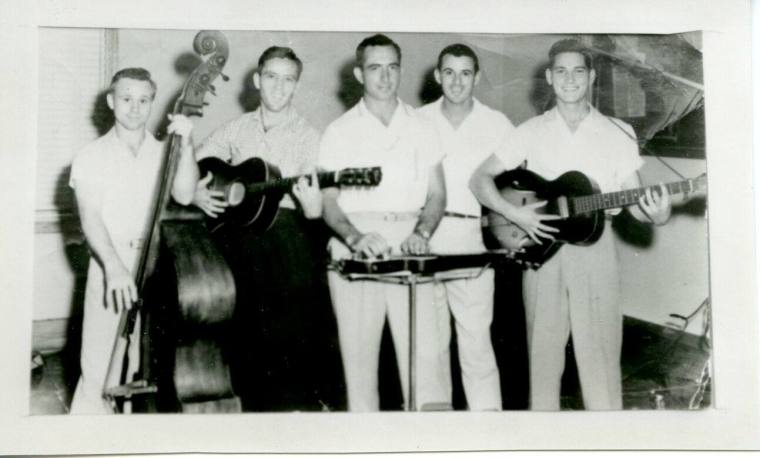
{"points": [[412, 343]]}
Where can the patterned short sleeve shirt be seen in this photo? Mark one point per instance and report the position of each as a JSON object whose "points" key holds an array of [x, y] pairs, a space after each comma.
{"points": [[292, 145]]}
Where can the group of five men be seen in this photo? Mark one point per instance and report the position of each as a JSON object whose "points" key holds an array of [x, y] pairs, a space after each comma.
{"points": [[439, 163]]}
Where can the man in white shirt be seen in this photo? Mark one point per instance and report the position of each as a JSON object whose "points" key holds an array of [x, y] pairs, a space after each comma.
{"points": [[469, 133], [398, 216], [576, 291], [114, 179]]}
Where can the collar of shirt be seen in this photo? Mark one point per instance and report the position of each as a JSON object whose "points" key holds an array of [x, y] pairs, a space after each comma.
{"points": [[592, 118], [115, 144], [402, 110], [289, 123], [472, 116]]}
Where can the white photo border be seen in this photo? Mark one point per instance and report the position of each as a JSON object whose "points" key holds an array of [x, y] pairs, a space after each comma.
{"points": [[732, 422]]}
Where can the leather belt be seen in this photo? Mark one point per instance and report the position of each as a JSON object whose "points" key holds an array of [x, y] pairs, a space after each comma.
{"points": [[459, 215], [386, 216]]}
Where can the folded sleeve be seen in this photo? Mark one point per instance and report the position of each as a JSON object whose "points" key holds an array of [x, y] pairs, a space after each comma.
{"points": [[84, 171]]}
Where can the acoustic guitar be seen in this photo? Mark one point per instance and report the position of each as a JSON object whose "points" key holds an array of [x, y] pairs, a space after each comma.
{"points": [[576, 199], [253, 189]]}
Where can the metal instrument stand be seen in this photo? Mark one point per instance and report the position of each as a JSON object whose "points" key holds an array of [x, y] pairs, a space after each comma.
{"points": [[412, 279]]}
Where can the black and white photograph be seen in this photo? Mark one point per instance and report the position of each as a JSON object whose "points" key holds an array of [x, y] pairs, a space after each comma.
{"points": [[398, 235]]}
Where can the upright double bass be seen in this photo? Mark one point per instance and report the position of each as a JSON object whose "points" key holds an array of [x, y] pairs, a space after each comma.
{"points": [[187, 291]]}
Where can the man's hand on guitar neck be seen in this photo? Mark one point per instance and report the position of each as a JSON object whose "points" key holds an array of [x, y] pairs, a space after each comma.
{"points": [[656, 206], [210, 201], [309, 195]]}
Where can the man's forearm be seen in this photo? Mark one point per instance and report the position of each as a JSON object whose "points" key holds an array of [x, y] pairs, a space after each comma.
{"points": [[431, 215], [98, 239], [337, 220], [435, 203], [484, 189], [186, 178]]}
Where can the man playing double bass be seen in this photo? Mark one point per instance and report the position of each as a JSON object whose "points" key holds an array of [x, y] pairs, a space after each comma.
{"points": [[115, 216]]}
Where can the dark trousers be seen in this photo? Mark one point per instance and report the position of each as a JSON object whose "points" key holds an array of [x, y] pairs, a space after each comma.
{"points": [[283, 348]]}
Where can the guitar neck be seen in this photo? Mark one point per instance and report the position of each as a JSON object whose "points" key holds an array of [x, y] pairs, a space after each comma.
{"points": [[326, 179], [595, 202]]}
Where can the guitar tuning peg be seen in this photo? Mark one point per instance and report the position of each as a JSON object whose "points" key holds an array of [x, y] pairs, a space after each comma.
{"points": [[212, 89], [224, 77]]}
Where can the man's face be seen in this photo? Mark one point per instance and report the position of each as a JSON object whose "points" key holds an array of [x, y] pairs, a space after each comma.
{"points": [[570, 78], [457, 78], [277, 82], [131, 102], [380, 73]]}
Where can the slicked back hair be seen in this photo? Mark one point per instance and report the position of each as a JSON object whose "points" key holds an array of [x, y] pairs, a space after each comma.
{"points": [[571, 45], [133, 73], [459, 50], [280, 52], [375, 40]]}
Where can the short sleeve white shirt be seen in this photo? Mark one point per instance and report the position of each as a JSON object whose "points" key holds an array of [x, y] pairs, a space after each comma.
{"points": [[126, 182], [602, 148], [406, 149], [482, 133]]}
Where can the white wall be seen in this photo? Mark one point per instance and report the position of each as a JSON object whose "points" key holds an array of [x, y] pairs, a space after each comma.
{"points": [[669, 275]]}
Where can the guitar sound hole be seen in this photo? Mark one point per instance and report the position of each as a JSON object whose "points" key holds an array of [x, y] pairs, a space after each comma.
{"points": [[235, 194]]}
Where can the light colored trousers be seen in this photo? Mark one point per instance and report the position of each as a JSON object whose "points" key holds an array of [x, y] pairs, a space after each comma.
{"points": [[99, 328], [576, 292], [361, 307], [470, 301]]}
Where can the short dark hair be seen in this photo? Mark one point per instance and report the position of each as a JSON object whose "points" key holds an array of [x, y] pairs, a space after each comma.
{"points": [[375, 40], [133, 73], [571, 45], [459, 50], [280, 52]]}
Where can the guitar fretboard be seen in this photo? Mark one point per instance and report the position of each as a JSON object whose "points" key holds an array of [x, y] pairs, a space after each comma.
{"points": [[325, 179], [594, 202]]}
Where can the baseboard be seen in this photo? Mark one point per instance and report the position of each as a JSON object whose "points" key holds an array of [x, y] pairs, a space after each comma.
{"points": [[49, 336]]}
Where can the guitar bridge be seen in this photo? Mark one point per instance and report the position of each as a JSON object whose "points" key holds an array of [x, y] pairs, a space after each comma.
{"points": [[563, 208]]}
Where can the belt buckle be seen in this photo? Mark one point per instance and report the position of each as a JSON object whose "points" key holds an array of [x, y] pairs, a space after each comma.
{"points": [[395, 217]]}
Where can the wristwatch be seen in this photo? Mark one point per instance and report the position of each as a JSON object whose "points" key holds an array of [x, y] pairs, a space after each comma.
{"points": [[422, 233]]}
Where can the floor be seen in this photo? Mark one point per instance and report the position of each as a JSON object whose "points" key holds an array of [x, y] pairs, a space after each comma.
{"points": [[662, 369]]}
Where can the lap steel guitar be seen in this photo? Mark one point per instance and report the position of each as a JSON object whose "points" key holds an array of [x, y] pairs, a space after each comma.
{"points": [[428, 264]]}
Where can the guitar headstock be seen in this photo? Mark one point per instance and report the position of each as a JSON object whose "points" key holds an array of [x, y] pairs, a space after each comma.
{"points": [[698, 185], [367, 176]]}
